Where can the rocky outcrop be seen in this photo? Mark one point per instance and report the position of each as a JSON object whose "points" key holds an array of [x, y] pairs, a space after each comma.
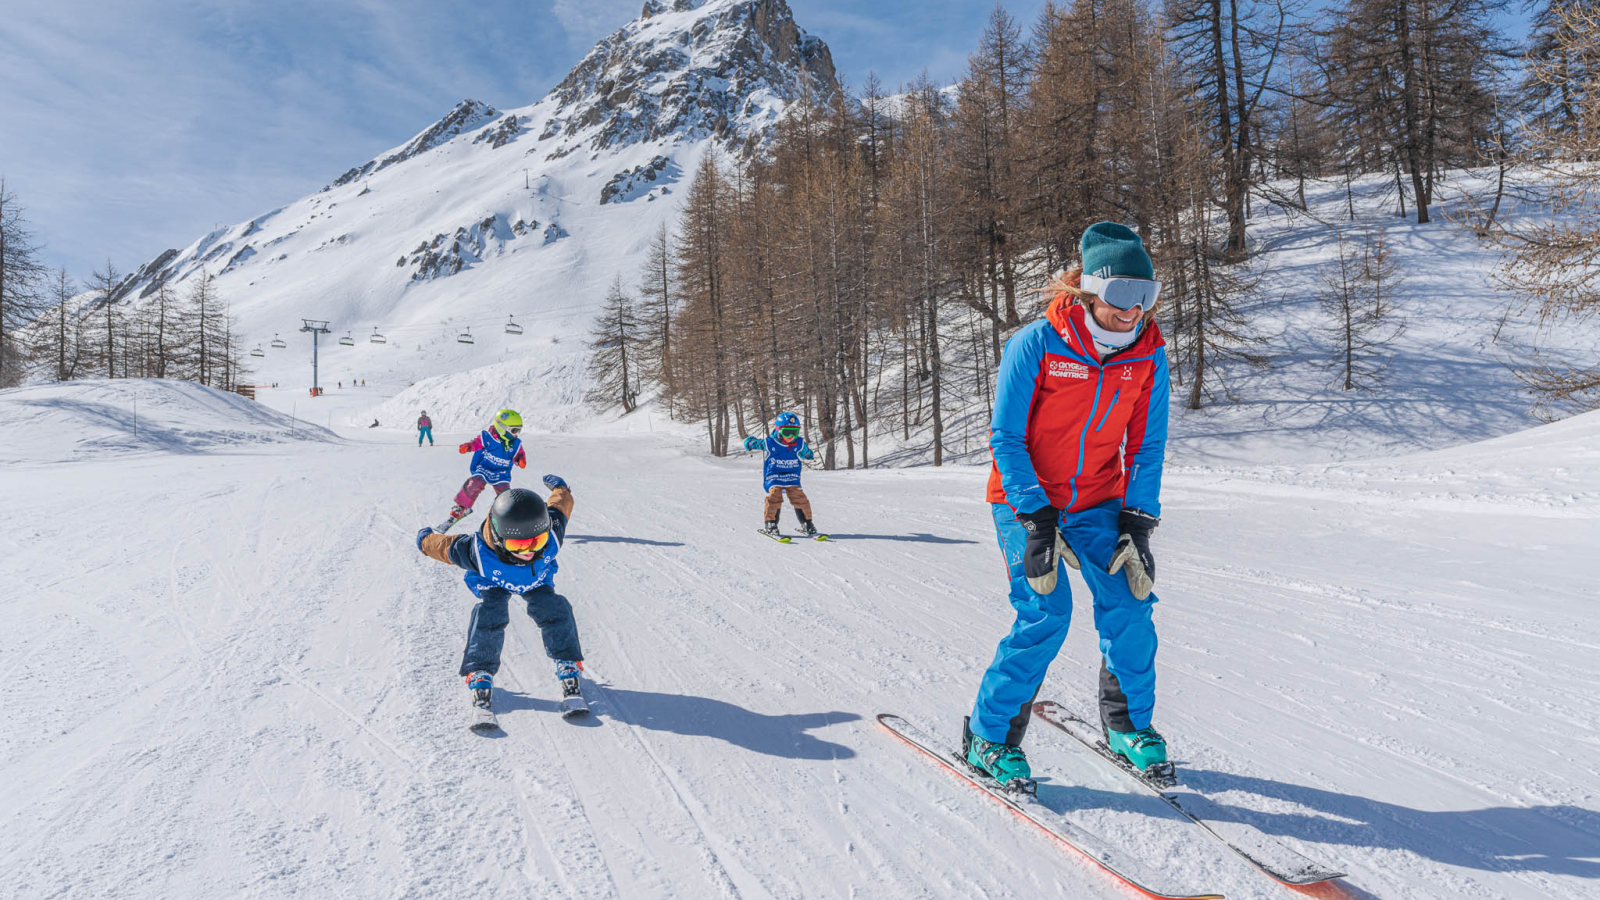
{"points": [[721, 69], [639, 180], [467, 115], [500, 135]]}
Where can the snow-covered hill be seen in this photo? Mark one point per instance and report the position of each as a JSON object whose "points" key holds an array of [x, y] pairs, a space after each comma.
{"points": [[496, 214], [107, 420], [230, 674]]}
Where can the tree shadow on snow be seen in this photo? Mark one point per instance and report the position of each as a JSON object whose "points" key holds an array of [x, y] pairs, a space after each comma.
{"points": [[782, 735], [915, 537], [615, 539], [1559, 840]]}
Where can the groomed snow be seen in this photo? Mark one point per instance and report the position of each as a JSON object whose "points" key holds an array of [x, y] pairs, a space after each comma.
{"points": [[228, 673], [45, 424]]}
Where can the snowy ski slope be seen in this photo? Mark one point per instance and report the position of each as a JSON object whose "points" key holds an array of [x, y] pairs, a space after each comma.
{"points": [[228, 673]]}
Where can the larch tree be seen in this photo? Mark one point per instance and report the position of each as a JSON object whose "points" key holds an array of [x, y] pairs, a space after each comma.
{"points": [[22, 279]]}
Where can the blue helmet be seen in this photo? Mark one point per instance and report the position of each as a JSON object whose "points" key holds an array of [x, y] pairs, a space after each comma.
{"points": [[786, 420]]}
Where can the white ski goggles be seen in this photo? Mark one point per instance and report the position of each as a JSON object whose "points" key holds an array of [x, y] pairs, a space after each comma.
{"points": [[1123, 292]]}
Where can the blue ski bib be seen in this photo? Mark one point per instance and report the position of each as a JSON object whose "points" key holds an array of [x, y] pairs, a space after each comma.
{"points": [[782, 466], [493, 462], [518, 579]]}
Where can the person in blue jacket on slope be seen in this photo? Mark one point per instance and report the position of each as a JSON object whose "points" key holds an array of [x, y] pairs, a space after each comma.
{"points": [[780, 473], [1079, 438]]}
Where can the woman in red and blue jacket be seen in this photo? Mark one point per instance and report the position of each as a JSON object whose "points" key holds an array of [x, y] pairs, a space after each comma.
{"points": [[1078, 436]]}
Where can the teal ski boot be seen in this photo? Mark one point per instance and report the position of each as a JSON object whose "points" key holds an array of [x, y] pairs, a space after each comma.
{"points": [[1145, 751], [1002, 762]]}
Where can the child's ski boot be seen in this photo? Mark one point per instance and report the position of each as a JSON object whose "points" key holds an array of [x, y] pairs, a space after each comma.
{"points": [[572, 702], [482, 687], [770, 529], [808, 528], [457, 513], [1144, 751], [1002, 762]]}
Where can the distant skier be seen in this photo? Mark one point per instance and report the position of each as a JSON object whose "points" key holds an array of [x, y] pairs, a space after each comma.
{"points": [[374, 424], [1078, 437], [424, 429], [493, 453], [514, 552], [780, 474]]}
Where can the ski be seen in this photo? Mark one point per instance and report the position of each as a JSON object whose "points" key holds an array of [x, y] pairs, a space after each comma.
{"points": [[1117, 863], [777, 536], [450, 523], [1276, 861], [482, 719], [572, 703]]}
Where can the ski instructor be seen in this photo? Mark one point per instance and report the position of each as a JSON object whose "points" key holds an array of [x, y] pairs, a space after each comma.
{"points": [[1078, 438]]}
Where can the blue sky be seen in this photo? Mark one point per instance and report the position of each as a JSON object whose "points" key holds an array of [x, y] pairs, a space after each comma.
{"points": [[131, 126]]}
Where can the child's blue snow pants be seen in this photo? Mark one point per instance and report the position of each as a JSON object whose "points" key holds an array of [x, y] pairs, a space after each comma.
{"points": [[486, 633], [1127, 634]]}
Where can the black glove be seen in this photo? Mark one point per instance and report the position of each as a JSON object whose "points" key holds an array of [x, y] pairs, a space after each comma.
{"points": [[1043, 549], [1132, 555]]}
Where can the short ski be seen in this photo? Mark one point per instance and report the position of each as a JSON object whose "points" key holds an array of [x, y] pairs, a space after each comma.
{"points": [[1117, 863], [572, 703], [1278, 862], [775, 535], [482, 719], [450, 523]]}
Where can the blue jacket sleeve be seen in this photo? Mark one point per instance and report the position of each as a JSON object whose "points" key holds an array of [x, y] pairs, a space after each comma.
{"points": [[1146, 448], [461, 552], [1008, 429]]}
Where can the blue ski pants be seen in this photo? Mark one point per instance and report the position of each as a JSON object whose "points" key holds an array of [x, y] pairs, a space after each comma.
{"points": [[486, 632], [1127, 632], [426, 432]]}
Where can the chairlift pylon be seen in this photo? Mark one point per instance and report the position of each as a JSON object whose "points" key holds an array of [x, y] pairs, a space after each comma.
{"points": [[278, 343], [465, 337], [512, 327], [377, 338], [348, 340]]}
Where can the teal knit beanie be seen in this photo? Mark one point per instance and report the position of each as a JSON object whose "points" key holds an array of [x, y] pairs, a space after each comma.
{"points": [[1111, 249]]}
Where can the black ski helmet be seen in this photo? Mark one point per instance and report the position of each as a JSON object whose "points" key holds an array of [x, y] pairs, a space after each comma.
{"points": [[518, 513]]}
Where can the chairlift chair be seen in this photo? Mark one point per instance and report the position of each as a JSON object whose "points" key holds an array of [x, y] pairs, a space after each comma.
{"points": [[464, 337], [377, 338], [278, 343], [258, 351], [348, 340], [512, 327]]}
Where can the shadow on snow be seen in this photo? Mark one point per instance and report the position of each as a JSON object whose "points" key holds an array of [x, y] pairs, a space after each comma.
{"points": [[781, 735]]}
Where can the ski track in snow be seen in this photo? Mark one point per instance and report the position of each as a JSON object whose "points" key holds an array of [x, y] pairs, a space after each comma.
{"points": [[251, 690]]}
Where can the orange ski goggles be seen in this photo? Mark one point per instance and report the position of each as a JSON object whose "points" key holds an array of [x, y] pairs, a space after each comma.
{"points": [[526, 546]]}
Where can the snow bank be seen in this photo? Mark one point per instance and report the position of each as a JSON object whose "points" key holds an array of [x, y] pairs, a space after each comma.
{"points": [[89, 419]]}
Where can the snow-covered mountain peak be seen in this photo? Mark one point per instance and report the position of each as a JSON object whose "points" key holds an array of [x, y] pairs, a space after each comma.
{"points": [[466, 115], [693, 69], [434, 249]]}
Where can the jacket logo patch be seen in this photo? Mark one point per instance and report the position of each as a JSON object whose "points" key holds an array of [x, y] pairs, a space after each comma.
{"points": [[1062, 368], [1127, 373]]}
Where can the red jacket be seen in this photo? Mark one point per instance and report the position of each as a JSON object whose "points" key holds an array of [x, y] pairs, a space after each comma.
{"points": [[1071, 431]]}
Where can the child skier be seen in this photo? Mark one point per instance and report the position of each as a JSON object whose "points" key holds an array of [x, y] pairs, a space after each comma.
{"points": [[514, 552], [493, 453], [780, 474], [424, 429]]}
